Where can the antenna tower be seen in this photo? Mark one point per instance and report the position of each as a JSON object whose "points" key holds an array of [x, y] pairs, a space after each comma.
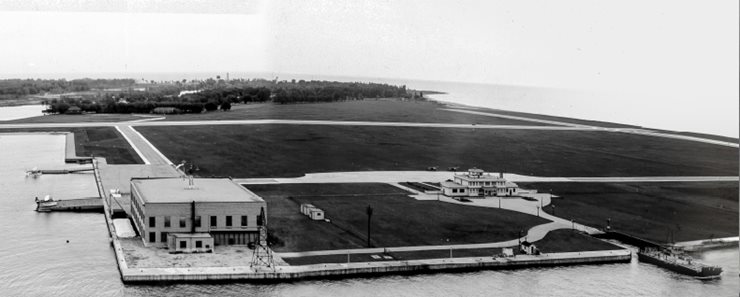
{"points": [[262, 256]]}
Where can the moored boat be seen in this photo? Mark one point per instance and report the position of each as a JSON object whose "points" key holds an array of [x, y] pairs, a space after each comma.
{"points": [[678, 263], [46, 204]]}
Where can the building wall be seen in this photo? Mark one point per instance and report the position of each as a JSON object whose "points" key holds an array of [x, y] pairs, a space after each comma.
{"points": [[205, 210]]}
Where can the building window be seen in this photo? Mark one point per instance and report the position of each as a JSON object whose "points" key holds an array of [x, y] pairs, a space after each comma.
{"points": [[198, 244], [183, 244], [197, 221], [163, 236], [213, 221], [228, 221], [244, 221], [167, 221], [182, 222], [152, 222], [152, 236]]}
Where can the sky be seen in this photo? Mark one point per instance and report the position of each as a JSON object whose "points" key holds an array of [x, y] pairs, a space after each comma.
{"points": [[675, 50]]}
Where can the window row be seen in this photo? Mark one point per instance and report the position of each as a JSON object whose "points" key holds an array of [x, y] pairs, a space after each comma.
{"points": [[182, 221]]}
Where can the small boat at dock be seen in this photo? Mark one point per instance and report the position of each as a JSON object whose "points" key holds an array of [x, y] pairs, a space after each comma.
{"points": [[35, 172], [46, 204], [677, 262]]}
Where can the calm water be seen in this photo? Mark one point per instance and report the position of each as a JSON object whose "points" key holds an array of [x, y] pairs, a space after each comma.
{"points": [[36, 260], [19, 112]]}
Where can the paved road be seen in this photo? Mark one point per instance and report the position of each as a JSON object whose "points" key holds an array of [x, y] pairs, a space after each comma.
{"points": [[147, 152], [560, 126], [597, 128], [436, 176], [284, 122]]}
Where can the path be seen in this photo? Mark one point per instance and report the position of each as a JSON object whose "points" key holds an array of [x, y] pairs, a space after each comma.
{"points": [[435, 176], [597, 128], [146, 151]]}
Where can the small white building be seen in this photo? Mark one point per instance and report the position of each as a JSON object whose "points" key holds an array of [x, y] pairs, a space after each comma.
{"points": [[477, 183], [312, 212]]}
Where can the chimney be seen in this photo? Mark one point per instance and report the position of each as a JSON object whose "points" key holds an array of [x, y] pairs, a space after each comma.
{"points": [[501, 174]]}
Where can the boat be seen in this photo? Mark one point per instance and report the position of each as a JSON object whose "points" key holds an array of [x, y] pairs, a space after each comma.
{"points": [[46, 204], [35, 172], [678, 262]]}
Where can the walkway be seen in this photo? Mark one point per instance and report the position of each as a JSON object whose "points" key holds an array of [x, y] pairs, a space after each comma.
{"points": [[597, 128], [146, 151], [435, 176]]}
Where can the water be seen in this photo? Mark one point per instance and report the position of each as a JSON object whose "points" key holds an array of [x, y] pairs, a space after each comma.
{"points": [[36, 260], [8, 113]]}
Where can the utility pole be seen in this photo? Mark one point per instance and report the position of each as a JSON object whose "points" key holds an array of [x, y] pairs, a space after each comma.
{"points": [[369, 211]]}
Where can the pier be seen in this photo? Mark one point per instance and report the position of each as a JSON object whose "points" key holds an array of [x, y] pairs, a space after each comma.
{"points": [[288, 273], [82, 204]]}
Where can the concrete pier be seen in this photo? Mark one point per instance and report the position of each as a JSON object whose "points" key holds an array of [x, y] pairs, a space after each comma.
{"points": [[287, 273], [83, 204]]}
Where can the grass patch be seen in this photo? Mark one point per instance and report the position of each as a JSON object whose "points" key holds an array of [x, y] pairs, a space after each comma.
{"points": [[691, 211], [564, 240], [98, 141], [382, 110], [293, 150], [397, 219]]}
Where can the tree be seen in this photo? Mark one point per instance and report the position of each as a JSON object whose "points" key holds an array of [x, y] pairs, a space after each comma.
{"points": [[226, 106], [211, 106]]}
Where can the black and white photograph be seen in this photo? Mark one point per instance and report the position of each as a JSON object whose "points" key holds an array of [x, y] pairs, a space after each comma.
{"points": [[369, 148]]}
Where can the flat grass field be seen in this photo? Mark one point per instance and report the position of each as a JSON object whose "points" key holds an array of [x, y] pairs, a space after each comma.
{"points": [[293, 150], [98, 141], [382, 110], [397, 219], [691, 211], [566, 240]]}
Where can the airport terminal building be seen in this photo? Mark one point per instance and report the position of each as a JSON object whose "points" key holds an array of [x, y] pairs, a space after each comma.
{"points": [[194, 215], [477, 183]]}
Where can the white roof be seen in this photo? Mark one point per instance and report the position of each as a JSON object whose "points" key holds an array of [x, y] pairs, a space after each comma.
{"points": [[176, 190]]}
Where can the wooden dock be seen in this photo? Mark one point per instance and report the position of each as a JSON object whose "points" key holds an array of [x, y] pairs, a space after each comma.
{"points": [[83, 204]]}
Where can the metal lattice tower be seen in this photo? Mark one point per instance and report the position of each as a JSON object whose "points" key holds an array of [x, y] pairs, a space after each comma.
{"points": [[262, 256]]}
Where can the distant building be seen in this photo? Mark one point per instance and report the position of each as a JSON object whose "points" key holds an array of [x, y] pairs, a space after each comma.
{"points": [[166, 110], [73, 110], [170, 212], [477, 183]]}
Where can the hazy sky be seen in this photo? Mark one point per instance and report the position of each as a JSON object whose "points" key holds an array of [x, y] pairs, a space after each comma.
{"points": [[679, 49], [547, 43]]}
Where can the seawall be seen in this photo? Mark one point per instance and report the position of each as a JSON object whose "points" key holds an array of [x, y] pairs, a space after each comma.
{"points": [[289, 273]]}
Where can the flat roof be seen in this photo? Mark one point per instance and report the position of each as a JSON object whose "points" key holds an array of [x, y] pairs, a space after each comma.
{"points": [[176, 190], [486, 177]]}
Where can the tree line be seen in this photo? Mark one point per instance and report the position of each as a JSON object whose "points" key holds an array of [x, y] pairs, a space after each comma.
{"points": [[220, 94], [23, 87]]}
